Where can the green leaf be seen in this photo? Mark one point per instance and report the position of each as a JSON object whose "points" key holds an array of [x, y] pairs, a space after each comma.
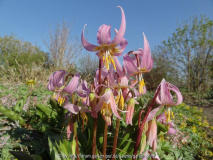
{"points": [[169, 157], [61, 148], [19, 105], [52, 114], [25, 156], [12, 115]]}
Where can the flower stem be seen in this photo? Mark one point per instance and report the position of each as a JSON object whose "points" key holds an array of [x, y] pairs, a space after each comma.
{"points": [[105, 141], [96, 119], [94, 137], [116, 132], [115, 137], [141, 127], [74, 120]]}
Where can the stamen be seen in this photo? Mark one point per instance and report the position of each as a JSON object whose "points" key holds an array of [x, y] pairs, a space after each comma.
{"points": [[121, 102], [113, 63], [107, 63], [141, 85], [117, 100], [169, 110], [103, 59]]}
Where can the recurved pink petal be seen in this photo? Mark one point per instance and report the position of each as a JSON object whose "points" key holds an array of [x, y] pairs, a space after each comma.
{"points": [[118, 38], [82, 90], [104, 35], [124, 81], [106, 96], [178, 93], [119, 68], [123, 41], [50, 85], [99, 106], [87, 45], [73, 84], [58, 78], [152, 114], [129, 65], [72, 108], [165, 96], [113, 106], [146, 58]]}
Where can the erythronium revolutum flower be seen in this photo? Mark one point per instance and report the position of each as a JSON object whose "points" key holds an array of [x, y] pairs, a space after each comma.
{"points": [[107, 104], [119, 86], [107, 49], [142, 64], [58, 85], [165, 97], [83, 91]]}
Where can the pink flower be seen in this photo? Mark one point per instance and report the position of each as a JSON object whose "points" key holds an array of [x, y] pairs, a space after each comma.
{"points": [[107, 49], [142, 64], [107, 104], [83, 91], [165, 97], [58, 85]]}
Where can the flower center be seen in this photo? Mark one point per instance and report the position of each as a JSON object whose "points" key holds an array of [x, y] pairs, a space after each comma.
{"points": [[106, 52], [141, 83]]}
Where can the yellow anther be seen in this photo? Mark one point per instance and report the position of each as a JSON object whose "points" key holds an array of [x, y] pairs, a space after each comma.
{"points": [[107, 63], [113, 63], [109, 109], [117, 100], [121, 102], [141, 85], [61, 100], [169, 117], [109, 60]]}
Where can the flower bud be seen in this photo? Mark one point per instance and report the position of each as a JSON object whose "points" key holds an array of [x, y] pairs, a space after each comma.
{"points": [[130, 109], [152, 134], [92, 100]]}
